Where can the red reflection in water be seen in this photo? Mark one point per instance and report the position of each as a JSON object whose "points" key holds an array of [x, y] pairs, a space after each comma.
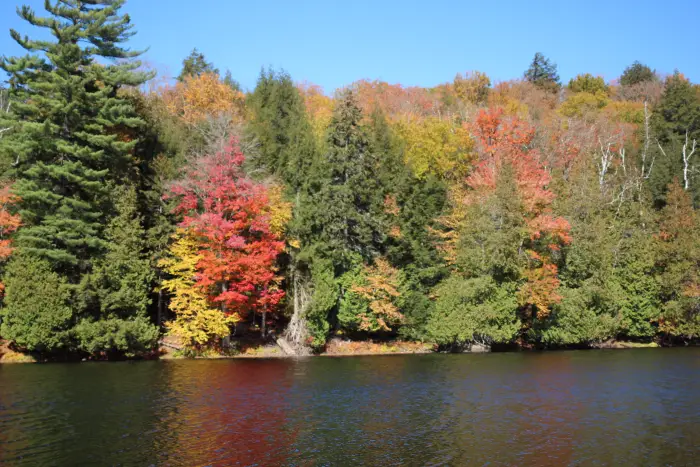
{"points": [[236, 415]]}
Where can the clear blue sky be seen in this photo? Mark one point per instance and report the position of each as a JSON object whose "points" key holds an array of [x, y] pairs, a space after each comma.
{"points": [[409, 42]]}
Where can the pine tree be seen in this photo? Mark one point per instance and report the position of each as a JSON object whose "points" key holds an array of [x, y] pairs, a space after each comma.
{"points": [[676, 115], [195, 64], [70, 128], [73, 134], [543, 73]]}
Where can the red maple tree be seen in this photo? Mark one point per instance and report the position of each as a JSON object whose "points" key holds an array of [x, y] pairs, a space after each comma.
{"points": [[229, 214]]}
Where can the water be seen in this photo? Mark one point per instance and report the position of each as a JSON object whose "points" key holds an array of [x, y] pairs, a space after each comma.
{"points": [[632, 407]]}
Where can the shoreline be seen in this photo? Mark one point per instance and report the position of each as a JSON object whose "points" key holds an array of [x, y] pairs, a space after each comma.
{"points": [[9, 357]]}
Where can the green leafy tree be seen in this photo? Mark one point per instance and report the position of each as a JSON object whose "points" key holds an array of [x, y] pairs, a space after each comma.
{"points": [[678, 265], [195, 64], [71, 128], [588, 83], [676, 115], [543, 73], [411, 206]]}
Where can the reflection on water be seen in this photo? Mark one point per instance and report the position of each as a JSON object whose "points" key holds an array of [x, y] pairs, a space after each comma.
{"points": [[636, 407]]}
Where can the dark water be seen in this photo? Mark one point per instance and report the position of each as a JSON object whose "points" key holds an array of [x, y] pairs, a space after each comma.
{"points": [[634, 407]]}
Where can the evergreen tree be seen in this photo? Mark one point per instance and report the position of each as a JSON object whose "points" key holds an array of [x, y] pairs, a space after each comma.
{"points": [[230, 82], [195, 64], [281, 129], [678, 263], [343, 221], [676, 115], [125, 273], [73, 134], [411, 207], [36, 315], [637, 73], [117, 294], [69, 120], [543, 73]]}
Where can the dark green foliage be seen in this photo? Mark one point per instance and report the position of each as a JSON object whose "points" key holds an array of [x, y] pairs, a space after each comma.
{"points": [[341, 215], [74, 133], [679, 110], [543, 73], [477, 303], [124, 276], [230, 82], [37, 313], [678, 263], [410, 248], [68, 122], [195, 64], [117, 337], [476, 310], [323, 301], [677, 114], [637, 73], [281, 129]]}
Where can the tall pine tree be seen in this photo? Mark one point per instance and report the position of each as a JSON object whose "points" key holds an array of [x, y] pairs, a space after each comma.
{"points": [[72, 132]]}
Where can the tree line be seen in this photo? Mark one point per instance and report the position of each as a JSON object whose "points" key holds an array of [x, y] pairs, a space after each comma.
{"points": [[523, 213]]}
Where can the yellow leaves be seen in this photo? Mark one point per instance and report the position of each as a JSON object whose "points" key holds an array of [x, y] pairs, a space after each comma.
{"points": [[318, 106], [199, 97], [626, 112], [279, 209], [438, 146], [472, 87], [196, 322], [380, 289], [584, 104]]}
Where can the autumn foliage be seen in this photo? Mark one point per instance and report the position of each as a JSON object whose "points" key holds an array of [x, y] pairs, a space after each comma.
{"points": [[230, 219], [197, 98]]}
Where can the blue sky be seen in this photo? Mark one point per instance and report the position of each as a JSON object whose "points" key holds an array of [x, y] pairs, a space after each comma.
{"points": [[409, 42]]}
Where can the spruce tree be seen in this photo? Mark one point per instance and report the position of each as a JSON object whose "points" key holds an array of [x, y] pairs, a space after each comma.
{"points": [[343, 214], [637, 73], [281, 129]]}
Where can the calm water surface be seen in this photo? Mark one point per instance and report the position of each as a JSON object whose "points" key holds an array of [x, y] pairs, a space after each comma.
{"points": [[634, 407]]}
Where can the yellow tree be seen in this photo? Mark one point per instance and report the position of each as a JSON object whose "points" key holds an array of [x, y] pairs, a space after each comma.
{"points": [[438, 146], [196, 322], [197, 98]]}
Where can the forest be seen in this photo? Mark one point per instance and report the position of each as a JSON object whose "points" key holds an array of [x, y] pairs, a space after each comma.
{"points": [[525, 214]]}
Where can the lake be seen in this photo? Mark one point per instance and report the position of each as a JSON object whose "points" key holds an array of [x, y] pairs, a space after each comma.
{"points": [[597, 407]]}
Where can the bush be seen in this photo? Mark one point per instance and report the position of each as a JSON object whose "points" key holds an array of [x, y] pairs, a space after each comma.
{"points": [[37, 316], [474, 310], [128, 337]]}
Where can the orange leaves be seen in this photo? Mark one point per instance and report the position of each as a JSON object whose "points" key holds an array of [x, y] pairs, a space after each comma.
{"points": [[394, 99], [9, 222], [506, 140], [380, 289], [540, 290], [199, 97]]}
